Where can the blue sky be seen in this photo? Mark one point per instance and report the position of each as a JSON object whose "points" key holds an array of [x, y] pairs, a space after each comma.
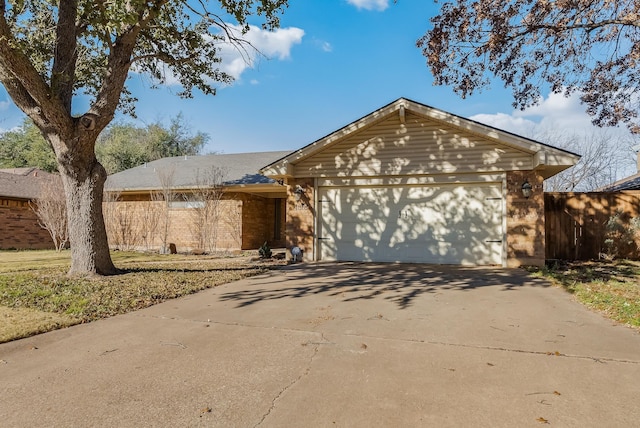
{"points": [[332, 62]]}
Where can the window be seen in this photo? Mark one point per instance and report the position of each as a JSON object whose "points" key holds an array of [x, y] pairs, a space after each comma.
{"points": [[277, 219], [186, 204], [186, 201]]}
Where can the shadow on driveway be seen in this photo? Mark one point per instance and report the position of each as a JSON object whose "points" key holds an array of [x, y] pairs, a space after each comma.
{"points": [[401, 283]]}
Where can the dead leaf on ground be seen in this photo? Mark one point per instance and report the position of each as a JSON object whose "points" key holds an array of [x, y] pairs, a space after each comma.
{"points": [[542, 420]]}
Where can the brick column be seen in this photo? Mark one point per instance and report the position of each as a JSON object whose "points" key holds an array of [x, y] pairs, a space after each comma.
{"points": [[299, 229], [525, 220]]}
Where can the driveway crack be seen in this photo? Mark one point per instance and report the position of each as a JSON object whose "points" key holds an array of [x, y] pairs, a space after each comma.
{"points": [[503, 349], [602, 360], [302, 375]]}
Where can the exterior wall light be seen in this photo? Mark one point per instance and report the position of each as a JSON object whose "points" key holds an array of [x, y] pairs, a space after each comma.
{"points": [[527, 189], [298, 192]]}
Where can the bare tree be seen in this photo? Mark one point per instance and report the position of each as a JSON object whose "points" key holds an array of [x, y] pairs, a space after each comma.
{"points": [[109, 212], [233, 221], [602, 158], [167, 194], [122, 222], [127, 232], [149, 219], [205, 206], [50, 207]]}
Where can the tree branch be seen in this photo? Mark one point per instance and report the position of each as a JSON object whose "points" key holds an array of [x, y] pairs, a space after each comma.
{"points": [[26, 86], [237, 42], [66, 53], [118, 64]]}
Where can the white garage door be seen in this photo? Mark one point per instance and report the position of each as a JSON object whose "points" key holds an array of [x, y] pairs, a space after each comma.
{"points": [[446, 224]]}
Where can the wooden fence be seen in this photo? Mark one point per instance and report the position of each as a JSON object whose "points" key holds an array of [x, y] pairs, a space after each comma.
{"points": [[576, 224]]}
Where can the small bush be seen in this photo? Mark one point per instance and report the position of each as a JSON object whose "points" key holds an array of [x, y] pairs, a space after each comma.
{"points": [[621, 237], [265, 251]]}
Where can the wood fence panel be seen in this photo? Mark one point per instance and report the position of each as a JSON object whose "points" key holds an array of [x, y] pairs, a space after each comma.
{"points": [[575, 223]]}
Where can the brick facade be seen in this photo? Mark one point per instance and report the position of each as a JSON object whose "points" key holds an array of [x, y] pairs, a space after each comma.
{"points": [[19, 227], [301, 217], [244, 222], [259, 221], [525, 220]]}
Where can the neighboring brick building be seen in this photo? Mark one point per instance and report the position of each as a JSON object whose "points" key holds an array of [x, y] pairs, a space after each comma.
{"points": [[19, 228], [163, 202]]}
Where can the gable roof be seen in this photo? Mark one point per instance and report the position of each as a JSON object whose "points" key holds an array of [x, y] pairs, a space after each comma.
{"points": [[23, 183], [545, 158], [240, 169]]}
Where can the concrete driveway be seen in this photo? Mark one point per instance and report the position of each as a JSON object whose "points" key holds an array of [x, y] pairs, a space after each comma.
{"points": [[351, 345]]}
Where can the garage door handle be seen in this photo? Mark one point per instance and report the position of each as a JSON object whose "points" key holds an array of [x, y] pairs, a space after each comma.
{"points": [[493, 240], [323, 239]]}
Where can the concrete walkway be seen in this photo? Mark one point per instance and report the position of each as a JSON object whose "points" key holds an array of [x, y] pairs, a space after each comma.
{"points": [[346, 345]]}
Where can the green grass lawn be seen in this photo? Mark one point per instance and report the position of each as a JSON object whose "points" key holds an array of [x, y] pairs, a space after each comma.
{"points": [[612, 288], [36, 295], [18, 261]]}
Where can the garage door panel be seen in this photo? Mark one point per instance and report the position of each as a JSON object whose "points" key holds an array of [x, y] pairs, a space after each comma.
{"points": [[432, 224]]}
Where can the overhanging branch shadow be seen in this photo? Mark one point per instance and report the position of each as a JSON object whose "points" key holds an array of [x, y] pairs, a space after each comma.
{"points": [[400, 284]]}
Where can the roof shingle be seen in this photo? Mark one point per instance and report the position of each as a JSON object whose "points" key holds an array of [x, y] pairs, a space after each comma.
{"points": [[239, 168], [26, 183]]}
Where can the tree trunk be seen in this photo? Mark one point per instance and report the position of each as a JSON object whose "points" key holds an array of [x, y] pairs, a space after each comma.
{"points": [[84, 184]]}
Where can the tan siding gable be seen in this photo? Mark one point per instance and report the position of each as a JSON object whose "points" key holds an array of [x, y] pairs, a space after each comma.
{"points": [[419, 146]]}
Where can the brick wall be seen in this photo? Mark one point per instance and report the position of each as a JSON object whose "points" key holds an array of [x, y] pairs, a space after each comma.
{"points": [[300, 217], [525, 220], [19, 227], [255, 222], [258, 222], [245, 222]]}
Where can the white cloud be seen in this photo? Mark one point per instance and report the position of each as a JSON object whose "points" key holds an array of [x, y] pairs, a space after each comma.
{"points": [[272, 44], [322, 45], [507, 122], [558, 120], [236, 60], [555, 112], [370, 4]]}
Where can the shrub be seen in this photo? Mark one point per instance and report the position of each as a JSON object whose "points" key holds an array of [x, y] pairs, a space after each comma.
{"points": [[621, 236], [264, 251]]}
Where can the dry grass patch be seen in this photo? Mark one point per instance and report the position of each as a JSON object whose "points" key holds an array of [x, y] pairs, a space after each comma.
{"points": [[17, 323], [36, 294], [20, 261], [612, 288]]}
